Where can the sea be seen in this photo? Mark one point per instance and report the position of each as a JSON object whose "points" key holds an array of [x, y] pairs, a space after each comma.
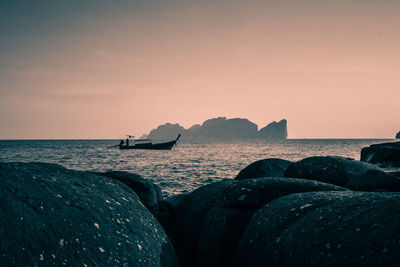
{"points": [[187, 166]]}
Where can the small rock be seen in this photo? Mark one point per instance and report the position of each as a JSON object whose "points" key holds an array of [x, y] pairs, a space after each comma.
{"points": [[264, 168], [384, 155]]}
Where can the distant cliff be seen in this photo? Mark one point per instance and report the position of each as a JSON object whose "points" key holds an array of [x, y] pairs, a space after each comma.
{"points": [[167, 131], [274, 130], [223, 128]]}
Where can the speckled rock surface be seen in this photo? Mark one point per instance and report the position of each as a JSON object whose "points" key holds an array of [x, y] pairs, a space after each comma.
{"points": [[324, 229], [54, 216], [384, 155], [352, 174], [146, 190], [212, 218], [264, 168]]}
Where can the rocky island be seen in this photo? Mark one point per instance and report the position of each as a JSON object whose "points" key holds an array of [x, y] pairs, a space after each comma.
{"points": [[223, 128]]}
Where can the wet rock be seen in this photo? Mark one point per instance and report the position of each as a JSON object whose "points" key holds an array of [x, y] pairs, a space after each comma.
{"points": [[220, 232], [324, 229], [352, 174], [211, 219], [395, 173], [384, 155], [264, 168], [159, 193], [148, 193], [54, 216], [170, 209]]}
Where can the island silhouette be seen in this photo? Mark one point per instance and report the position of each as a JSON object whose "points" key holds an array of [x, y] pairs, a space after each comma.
{"points": [[222, 128]]}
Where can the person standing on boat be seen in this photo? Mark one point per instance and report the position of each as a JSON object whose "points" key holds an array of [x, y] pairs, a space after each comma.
{"points": [[127, 141]]}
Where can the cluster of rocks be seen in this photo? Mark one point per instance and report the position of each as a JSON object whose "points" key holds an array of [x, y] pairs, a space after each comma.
{"points": [[319, 211], [385, 155]]}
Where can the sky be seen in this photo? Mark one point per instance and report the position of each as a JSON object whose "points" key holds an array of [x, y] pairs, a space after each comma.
{"points": [[103, 69]]}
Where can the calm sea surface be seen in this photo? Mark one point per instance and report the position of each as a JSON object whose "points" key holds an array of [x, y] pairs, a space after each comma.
{"points": [[185, 167]]}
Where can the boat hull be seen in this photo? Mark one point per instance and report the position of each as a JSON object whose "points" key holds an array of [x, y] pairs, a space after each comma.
{"points": [[150, 146], [160, 146]]}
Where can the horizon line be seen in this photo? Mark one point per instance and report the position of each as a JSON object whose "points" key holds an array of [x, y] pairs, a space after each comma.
{"points": [[237, 139]]}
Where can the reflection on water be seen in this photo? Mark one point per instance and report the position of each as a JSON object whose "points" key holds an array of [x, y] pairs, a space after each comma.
{"points": [[185, 167]]}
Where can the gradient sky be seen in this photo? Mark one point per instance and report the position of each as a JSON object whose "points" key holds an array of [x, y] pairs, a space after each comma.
{"points": [[103, 69]]}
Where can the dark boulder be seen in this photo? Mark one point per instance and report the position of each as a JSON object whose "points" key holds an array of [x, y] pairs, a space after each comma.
{"points": [[220, 233], [395, 173], [384, 155], [264, 168], [398, 135], [54, 216], [170, 209], [324, 229], [159, 193], [146, 190], [211, 219], [352, 174]]}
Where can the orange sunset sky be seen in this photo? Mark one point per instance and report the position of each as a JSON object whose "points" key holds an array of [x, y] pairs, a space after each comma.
{"points": [[103, 69]]}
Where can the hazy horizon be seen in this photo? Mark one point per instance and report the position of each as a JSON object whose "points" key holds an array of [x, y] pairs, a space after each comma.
{"points": [[101, 69]]}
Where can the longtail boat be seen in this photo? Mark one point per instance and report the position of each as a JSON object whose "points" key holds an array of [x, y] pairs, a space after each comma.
{"points": [[147, 144]]}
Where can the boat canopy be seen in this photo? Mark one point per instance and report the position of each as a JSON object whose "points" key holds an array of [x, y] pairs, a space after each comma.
{"points": [[142, 140]]}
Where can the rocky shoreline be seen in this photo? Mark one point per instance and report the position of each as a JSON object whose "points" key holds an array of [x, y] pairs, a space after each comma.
{"points": [[319, 211]]}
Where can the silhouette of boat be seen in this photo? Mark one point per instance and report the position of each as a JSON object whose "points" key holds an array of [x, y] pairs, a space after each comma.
{"points": [[147, 144]]}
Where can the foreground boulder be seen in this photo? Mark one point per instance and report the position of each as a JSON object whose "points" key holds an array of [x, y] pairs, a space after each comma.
{"points": [[171, 208], [352, 174], [149, 193], [54, 216], [384, 155], [395, 173], [324, 229], [264, 168], [208, 222]]}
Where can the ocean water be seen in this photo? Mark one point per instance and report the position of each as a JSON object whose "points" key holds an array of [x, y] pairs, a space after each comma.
{"points": [[182, 169]]}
